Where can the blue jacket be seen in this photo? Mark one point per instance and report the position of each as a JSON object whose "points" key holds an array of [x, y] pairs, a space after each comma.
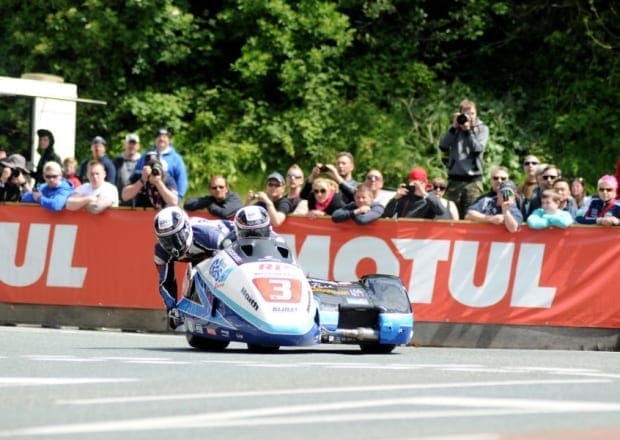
{"points": [[596, 207], [53, 199], [174, 166], [540, 220]]}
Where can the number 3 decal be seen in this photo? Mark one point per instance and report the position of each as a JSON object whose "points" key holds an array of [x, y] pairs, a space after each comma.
{"points": [[279, 289]]}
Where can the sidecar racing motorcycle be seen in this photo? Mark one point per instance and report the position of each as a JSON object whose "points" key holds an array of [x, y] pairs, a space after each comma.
{"points": [[253, 291]]}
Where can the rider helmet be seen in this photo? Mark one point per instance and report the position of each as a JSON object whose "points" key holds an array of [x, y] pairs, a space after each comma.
{"points": [[252, 222], [173, 230]]}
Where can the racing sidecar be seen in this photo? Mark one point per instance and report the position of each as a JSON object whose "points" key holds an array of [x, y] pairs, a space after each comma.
{"points": [[254, 292]]}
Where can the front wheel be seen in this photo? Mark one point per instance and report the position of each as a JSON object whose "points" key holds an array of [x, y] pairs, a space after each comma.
{"points": [[206, 344], [375, 348], [258, 348]]}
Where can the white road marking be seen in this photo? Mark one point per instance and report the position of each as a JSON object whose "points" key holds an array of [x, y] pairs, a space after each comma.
{"points": [[323, 390], [334, 412], [39, 381]]}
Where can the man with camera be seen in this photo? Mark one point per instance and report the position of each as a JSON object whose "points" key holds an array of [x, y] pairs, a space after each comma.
{"points": [[464, 144], [14, 178], [499, 209], [416, 200], [152, 187]]}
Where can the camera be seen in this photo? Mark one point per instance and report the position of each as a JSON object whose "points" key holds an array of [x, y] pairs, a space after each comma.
{"points": [[324, 168], [507, 193], [255, 196], [462, 118], [156, 168], [15, 172]]}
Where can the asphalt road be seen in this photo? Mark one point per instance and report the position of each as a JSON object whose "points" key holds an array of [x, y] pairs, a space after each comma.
{"points": [[74, 384]]}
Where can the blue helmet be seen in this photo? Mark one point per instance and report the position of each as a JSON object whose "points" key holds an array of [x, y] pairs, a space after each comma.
{"points": [[173, 230]]}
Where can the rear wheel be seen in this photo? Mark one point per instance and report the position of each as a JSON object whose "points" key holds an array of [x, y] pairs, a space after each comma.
{"points": [[258, 348], [374, 348], [206, 344]]}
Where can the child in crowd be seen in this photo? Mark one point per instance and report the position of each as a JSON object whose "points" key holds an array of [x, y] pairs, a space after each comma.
{"points": [[549, 214], [362, 210], [69, 165]]}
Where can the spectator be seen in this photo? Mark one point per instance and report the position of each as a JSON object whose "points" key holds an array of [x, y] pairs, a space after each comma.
{"points": [[125, 164], [221, 201], [97, 149], [465, 142], [415, 200], [618, 176], [545, 176], [499, 209], [566, 203], [341, 173], [3, 154], [53, 194], [324, 199], [578, 192], [363, 210], [439, 188], [550, 214], [46, 150], [173, 163], [374, 180], [272, 199], [604, 209], [153, 187], [14, 178], [69, 165], [526, 188], [96, 195], [295, 179]]}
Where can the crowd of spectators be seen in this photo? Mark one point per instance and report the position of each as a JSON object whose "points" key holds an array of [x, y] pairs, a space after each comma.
{"points": [[157, 178]]}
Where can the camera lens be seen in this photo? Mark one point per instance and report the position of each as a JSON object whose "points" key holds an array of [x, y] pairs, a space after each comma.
{"points": [[462, 119]]}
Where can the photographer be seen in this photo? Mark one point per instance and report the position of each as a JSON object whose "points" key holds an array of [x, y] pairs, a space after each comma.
{"points": [[416, 200], [14, 178], [499, 209], [152, 187], [464, 144], [341, 173]]}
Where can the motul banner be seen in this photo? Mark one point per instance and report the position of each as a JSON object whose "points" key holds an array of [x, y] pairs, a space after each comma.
{"points": [[454, 271]]}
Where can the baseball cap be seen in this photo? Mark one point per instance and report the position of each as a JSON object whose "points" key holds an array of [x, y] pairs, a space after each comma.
{"points": [[162, 131], [276, 176], [418, 173], [98, 140], [132, 137], [508, 184]]}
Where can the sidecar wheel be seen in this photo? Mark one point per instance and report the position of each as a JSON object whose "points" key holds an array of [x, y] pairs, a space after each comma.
{"points": [[258, 348], [206, 344], [373, 348]]}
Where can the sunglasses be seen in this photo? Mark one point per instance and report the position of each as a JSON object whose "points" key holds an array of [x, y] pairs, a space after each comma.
{"points": [[320, 190], [215, 187], [549, 177], [52, 176], [373, 177], [500, 178], [274, 185], [606, 189], [294, 176], [439, 187], [530, 163]]}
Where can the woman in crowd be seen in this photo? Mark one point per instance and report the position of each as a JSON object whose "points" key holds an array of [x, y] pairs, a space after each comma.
{"points": [[324, 198]]}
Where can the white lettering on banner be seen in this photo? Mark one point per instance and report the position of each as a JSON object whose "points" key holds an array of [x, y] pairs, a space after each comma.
{"points": [[425, 256], [60, 273]]}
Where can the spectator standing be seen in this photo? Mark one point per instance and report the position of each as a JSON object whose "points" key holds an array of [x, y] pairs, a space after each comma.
{"points": [[550, 214], [374, 180], [362, 210], [125, 164], [500, 209], [14, 178], [96, 195], [465, 142], [341, 173], [416, 200], [604, 209], [46, 150], [153, 187], [69, 165], [526, 189], [439, 188], [324, 199], [578, 192], [98, 152], [53, 194], [173, 163], [295, 183], [221, 201], [272, 199], [566, 203]]}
